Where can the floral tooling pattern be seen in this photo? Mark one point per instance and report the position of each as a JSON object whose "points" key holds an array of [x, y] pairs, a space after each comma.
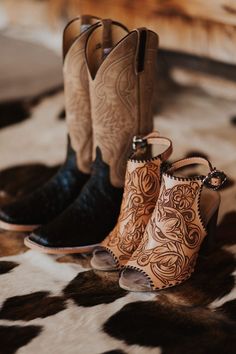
{"points": [[118, 96], [169, 248], [140, 195]]}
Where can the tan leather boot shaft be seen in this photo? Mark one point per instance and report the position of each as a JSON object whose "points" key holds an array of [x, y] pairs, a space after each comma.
{"points": [[76, 87], [121, 90]]}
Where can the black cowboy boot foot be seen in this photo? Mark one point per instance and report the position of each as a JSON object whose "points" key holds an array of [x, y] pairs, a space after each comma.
{"points": [[47, 202], [85, 223]]}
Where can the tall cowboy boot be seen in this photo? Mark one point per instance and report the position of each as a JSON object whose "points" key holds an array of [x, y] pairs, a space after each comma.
{"points": [[59, 192], [120, 68]]}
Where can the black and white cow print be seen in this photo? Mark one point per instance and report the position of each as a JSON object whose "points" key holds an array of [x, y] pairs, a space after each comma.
{"points": [[51, 304]]}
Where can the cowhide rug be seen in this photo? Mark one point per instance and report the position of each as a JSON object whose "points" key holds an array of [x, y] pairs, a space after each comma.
{"points": [[58, 305]]}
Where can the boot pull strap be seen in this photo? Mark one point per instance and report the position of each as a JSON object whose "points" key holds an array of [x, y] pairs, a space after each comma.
{"points": [[214, 179], [154, 138], [190, 161], [106, 37], [74, 28], [141, 48], [87, 21]]}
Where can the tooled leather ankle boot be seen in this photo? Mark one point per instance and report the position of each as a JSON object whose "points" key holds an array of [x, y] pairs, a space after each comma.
{"points": [[58, 193], [184, 218], [120, 69], [142, 187]]}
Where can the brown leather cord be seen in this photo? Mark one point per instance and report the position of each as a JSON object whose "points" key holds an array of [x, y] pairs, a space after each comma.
{"points": [[106, 36]]}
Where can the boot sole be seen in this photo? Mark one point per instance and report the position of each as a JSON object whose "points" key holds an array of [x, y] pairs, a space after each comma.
{"points": [[14, 227], [58, 250]]}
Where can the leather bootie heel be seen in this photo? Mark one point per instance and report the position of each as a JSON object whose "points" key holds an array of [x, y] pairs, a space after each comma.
{"points": [[59, 192], [185, 215], [120, 68], [142, 187]]}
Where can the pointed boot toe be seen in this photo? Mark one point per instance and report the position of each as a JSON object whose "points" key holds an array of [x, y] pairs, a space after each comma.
{"points": [[13, 218], [41, 241], [6, 215], [103, 260], [36, 239]]}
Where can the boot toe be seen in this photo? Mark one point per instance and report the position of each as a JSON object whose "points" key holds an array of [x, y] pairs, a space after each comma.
{"points": [[16, 213], [103, 260], [38, 238], [134, 280], [5, 216]]}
